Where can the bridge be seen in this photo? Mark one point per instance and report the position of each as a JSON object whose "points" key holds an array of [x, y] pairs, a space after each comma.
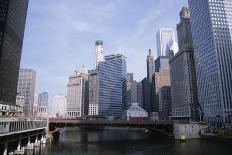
{"points": [[162, 128]]}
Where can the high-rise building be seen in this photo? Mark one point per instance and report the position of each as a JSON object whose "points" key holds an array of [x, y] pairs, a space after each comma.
{"points": [[99, 52], [26, 88], [183, 74], [59, 105], [76, 96], [211, 26], [162, 89], [131, 90], [93, 92], [161, 62], [112, 86], [163, 38], [150, 65], [43, 99], [139, 94], [12, 23]]}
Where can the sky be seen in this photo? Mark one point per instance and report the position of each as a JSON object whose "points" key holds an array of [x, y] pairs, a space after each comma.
{"points": [[60, 35]]}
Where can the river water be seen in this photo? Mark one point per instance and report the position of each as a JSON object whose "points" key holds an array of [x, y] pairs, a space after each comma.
{"points": [[73, 141]]}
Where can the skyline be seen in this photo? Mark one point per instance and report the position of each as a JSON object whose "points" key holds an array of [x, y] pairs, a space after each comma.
{"points": [[58, 30]]}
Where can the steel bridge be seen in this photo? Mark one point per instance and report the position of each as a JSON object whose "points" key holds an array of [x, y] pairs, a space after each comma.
{"points": [[165, 127]]}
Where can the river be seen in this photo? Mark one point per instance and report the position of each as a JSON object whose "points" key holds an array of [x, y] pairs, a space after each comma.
{"points": [[73, 141]]}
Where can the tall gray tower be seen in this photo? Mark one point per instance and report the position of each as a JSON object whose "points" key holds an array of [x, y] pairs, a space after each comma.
{"points": [[211, 25], [12, 23], [183, 73], [150, 66]]}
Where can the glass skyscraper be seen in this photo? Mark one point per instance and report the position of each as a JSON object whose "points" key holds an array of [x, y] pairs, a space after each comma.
{"points": [[112, 86], [211, 24], [12, 23]]}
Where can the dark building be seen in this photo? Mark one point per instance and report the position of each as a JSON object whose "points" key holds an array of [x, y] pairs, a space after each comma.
{"points": [[165, 101], [12, 24], [147, 84], [183, 74]]}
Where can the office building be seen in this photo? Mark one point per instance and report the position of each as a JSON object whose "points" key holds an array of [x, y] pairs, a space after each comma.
{"points": [[93, 92], [139, 94], [112, 86], [185, 104], [98, 52], [161, 62], [26, 88], [211, 26], [76, 96], [43, 99], [131, 90], [161, 87], [12, 23], [150, 65], [59, 105], [163, 38]]}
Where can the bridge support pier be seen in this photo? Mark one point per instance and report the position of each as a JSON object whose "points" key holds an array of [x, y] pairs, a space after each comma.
{"points": [[19, 145], [5, 149]]}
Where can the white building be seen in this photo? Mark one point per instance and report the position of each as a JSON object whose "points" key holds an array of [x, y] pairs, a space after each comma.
{"points": [[41, 112], [59, 105], [135, 111], [163, 37], [26, 88], [20, 100], [76, 98], [99, 52]]}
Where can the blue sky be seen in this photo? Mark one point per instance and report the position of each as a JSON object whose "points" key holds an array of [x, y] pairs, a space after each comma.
{"points": [[60, 35]]}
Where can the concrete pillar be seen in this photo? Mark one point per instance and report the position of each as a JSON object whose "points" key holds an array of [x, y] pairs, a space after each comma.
{"points": [[5, 149], [28, 144], [19, 145]]}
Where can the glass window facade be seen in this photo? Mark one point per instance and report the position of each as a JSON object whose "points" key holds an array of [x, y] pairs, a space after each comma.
{"points": [[211, 28], [112, 86], [12, 23]]}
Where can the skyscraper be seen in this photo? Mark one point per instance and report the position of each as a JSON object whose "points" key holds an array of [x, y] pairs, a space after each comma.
{"points": [[150, 65], [112, 85], [76, 99], [99, 52], [131, 90], [26, 88], [183, 73], [93, 92], [163, 38], [43, 99], [211, 26], [12, 23]]}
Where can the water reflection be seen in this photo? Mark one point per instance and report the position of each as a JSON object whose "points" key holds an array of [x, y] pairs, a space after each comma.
{"points": [[74, 141]]}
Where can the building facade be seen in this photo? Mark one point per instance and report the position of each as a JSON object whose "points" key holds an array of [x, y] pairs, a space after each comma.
{"points": [[98, 52], [183, 74], [12, 24], [163, 37], [131, 90], [26, 88], [43, 99], [112, 86], [211, 26], [76, 96], [59, 106], [93, 92]]}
